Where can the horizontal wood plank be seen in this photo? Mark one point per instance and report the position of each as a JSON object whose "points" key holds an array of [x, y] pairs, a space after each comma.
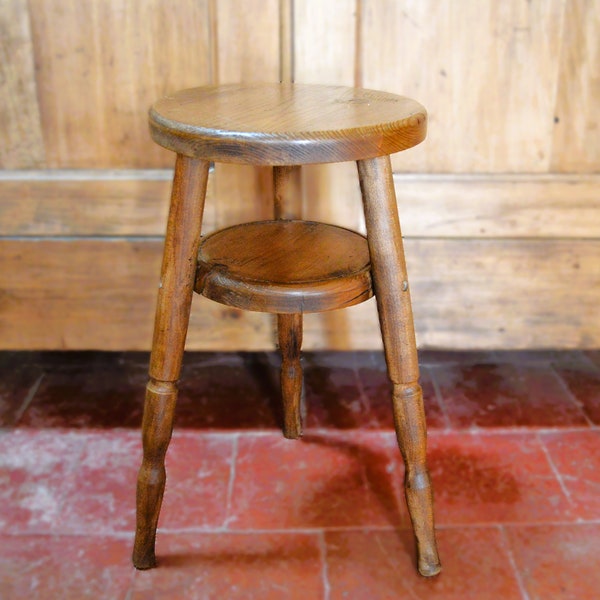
{"points": [[430, 205], [466, 294]]}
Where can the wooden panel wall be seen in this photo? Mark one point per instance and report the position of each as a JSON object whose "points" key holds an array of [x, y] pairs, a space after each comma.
{"points": [[500, 206]]}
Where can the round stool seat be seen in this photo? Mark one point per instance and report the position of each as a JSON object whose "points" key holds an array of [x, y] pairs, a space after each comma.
{"points": [[285, 267], [286, 124]]}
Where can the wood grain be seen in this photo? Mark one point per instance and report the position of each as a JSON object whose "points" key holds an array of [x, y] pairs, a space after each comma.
{"points": [[289, 329], [99, 66], [133, 204], [100, 63], [95, 67], [392, 293], [466, 294], [576, 142], [22, 145], [324, 41], [324, 51], [487, 72], [247, 40], [171, 321], [500, 206], [305, 267], [286, 124], [458, 206]]}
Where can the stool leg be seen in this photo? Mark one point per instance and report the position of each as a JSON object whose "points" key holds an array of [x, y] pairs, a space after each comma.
{"points": [[288, 205], [395, 317], [170, 329], [289, 328]]}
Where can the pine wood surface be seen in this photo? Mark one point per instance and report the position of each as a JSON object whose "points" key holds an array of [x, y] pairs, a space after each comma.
{"points": [[285, 267], [273, 124], [120, 56], [448, 206]]}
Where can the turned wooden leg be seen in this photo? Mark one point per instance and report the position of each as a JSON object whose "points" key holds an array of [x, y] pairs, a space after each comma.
{"points": [[290, 341], [390, 283], [288, 205], [170, 329]]}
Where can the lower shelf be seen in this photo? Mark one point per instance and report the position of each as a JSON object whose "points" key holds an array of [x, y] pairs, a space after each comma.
{"points": [[285, 267]]}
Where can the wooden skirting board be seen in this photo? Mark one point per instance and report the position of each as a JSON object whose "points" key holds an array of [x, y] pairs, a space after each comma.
{"points": [[494, 261]]}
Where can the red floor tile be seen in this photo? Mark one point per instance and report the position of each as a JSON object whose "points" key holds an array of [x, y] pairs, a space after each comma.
{"points": [[35, 469], [354, 392], [576, 456], [70, 568], [96, 395], [229, 391], [101, 495], [582, 378], [494, 478], [198, 478], [558, 561], [381, 564], [322, 481], [245, 566], [505, 395]]}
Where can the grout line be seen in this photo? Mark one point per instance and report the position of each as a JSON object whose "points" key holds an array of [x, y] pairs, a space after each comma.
{"points": [[128, 535], [226, 434], [556, 472], [29, 398], [513, 562], [324, 566], [565, 387], [589, 362], [364, 400], [334, 433], [232, 476], [438, 397]]}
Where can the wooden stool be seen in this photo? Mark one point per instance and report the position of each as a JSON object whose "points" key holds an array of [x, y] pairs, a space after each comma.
{"points": [[285, 266]]}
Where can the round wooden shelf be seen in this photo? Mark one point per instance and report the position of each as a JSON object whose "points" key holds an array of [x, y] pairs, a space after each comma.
{"points": [[286, 124], [285, 267]]}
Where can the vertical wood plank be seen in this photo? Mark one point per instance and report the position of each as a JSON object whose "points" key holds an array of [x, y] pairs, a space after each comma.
{"points": [[324, 50], [576, 144], [325, 44], [20, 126], [485, 70], [248, 50], [101, 64], [248, 40], [286, 41]]}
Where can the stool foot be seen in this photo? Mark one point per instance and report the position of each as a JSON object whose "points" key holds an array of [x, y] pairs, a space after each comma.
{"points": [[157, 428], [289, 328], [409, 419]]}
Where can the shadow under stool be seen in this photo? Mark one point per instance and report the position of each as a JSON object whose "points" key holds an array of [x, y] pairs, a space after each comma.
{"points": [[286, 266]]}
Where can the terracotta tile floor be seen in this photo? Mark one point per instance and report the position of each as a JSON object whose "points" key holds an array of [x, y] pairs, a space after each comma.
{"points": [[514, 452]]}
